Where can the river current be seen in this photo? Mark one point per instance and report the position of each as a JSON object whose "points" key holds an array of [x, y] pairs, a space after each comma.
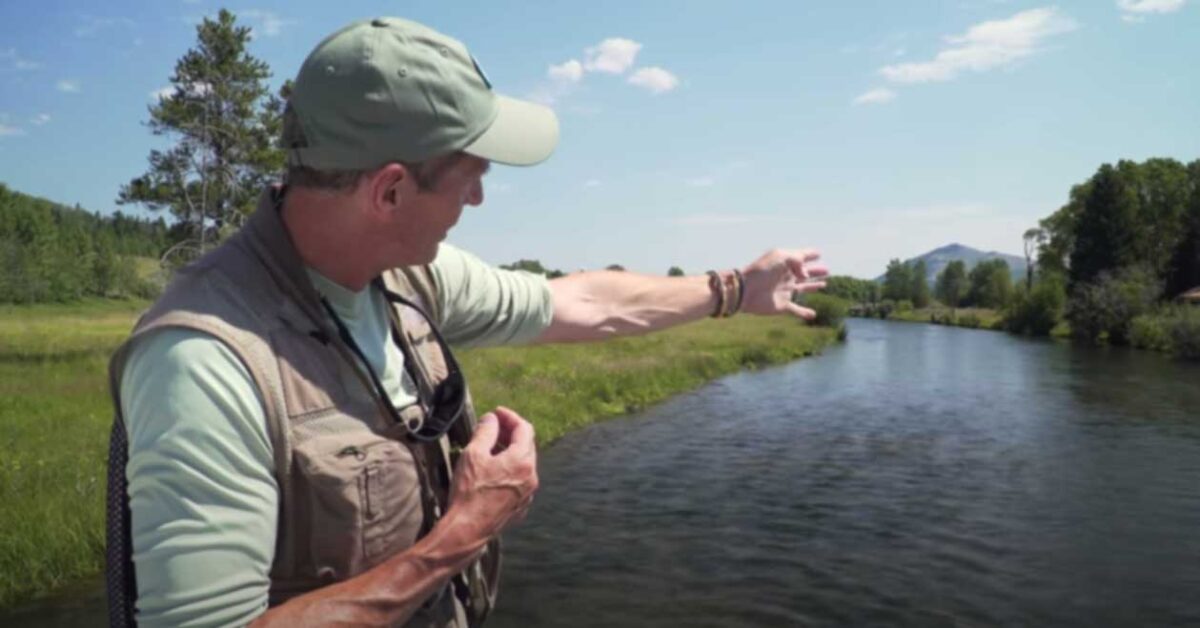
{"points": [[914, 476]]}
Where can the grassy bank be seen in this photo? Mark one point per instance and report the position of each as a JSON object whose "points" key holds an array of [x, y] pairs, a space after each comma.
{"points": [[55, 415]]}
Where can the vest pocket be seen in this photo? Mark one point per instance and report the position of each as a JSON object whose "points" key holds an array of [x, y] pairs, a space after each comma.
{"points": [[363, 501]]}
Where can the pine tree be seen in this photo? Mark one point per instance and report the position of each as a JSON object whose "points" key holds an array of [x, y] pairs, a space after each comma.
{"points": [[224, 122]]}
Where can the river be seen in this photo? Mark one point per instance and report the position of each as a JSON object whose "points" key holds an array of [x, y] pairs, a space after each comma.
{"points": [[915, 476]]}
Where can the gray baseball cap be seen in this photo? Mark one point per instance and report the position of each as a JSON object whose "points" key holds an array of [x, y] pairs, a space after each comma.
{"points": [[390, 89]]}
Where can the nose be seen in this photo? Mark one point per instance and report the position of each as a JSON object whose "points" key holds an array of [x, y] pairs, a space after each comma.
{"points": [[475, 194]]}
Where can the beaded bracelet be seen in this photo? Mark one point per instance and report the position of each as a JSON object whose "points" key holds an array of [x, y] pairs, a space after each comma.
{"points": [[715, 284]]}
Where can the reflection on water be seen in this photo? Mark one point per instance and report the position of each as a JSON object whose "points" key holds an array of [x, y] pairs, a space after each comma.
{"points": [[917, 476]]}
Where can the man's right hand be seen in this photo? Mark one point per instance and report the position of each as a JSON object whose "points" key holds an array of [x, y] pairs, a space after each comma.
{"points": [[496, 475]]}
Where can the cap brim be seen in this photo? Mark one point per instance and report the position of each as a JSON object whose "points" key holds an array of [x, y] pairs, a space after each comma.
{"points": [[522, 134]]}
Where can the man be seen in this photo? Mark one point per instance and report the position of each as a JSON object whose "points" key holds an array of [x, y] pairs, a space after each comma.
{"points": [[301, 448]]}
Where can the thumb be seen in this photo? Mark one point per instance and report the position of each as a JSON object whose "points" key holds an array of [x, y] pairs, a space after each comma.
{"points": [[486, 433]]}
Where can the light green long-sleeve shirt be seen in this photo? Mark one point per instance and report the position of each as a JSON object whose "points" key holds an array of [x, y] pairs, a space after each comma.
{"points": [[201, 473]]}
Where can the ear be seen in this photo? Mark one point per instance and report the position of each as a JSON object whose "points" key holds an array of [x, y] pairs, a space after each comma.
{"points": [[387, 188]]}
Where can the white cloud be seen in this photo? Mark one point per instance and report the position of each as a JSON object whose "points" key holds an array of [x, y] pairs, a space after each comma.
{"points": [[567, 72], [69, 86], [11, 61], [986, 46], [6, 130], [611, 56], [592, 183], [877, 96], [701, 182], [655, 79], [270, 24], [161, 93], [40, 119], [1150, 6]]}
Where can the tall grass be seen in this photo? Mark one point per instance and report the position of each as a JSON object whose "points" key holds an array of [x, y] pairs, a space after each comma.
{"points": [[55, 412]]}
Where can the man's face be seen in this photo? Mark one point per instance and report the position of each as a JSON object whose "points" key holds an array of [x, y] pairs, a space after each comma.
{"points": [[430, 210]]}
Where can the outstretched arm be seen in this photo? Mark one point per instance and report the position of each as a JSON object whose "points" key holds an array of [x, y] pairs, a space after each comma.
{"points": [[603, 304]]}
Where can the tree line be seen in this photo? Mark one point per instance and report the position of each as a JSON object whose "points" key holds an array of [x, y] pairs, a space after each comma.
{"points": [[1115, 257], [51, 252]]}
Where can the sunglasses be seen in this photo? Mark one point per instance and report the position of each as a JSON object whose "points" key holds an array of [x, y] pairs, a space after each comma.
{"points": [[444, 404]]}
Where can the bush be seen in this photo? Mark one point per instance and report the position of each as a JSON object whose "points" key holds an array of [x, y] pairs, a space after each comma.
{"points": [[969, 320], [1149, 332], [1037, 312], [1110, 303], [1183, 326], [831, 310]]}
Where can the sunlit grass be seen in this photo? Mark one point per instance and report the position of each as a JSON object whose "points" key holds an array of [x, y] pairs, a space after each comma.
{"points": [[55, 411]]}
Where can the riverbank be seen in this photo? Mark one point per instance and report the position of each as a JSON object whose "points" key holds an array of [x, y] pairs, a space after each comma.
{"points": [[968, 317], [55, 414]]}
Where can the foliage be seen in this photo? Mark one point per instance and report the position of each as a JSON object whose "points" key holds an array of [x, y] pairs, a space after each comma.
{"points": [[54, 253], [57, 414], [1036, 312], [674, 271], [990, 284], [853, 289], [897, 281], [1183, 324], [1171, 328], [1108, 304], [532, 266], [616, 267], [1129, 214], [918, 291], [224, 124], [831, 311], [951, 285]]}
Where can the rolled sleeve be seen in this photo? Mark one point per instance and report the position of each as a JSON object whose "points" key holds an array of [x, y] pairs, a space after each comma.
{"points": [[484, 306]]}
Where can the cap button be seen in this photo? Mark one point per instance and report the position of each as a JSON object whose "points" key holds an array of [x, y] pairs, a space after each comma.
{"points": [[379, 22]]}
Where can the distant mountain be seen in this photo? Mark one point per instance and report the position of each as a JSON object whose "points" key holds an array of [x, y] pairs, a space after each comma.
{"points": [[939, 258]]}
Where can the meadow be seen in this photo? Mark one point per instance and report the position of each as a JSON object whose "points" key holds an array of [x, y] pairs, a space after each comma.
{"points": [[55, 412]]}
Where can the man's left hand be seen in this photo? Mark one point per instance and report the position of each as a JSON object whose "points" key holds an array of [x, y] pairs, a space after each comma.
{"points": [[774, 278]]}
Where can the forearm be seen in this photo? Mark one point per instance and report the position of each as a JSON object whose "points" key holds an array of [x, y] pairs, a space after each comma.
{"points": [[391, 592], [603, 304]]}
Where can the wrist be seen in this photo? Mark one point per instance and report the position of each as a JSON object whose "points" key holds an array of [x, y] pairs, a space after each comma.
{"points": [[450, 547]]}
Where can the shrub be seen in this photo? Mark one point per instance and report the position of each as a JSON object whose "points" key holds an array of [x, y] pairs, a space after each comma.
{"points": [[1150, 331], [1184, 330], [1110, 303], [831, 310], [1037, 311]]}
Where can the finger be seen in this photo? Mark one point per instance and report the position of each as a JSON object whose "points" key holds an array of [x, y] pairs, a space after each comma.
{"points": [[801, 312], [817, 270], [804, 255], [809, 286], [519, 432], [797, 262], [486, 433]]}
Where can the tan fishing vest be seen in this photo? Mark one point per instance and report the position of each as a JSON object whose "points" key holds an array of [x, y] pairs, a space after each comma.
{"points": [[354, 488]]}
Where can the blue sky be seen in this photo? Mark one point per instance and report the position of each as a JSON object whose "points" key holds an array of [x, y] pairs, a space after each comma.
{"points": [[694, 133]]}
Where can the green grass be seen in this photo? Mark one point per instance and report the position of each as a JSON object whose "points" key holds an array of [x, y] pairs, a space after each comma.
{"points": [[55, 412]]}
